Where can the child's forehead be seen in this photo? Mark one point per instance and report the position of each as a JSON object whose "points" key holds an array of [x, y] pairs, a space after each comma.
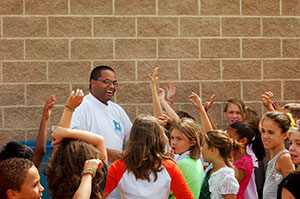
{"points": [[294, 136]]}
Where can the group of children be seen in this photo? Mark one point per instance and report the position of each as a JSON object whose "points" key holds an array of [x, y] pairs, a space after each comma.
{"points": [[166, 155]]}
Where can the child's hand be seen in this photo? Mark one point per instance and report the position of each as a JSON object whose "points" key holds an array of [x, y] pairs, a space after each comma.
{"points": [[48, 107], [196, 101], [58, 135], [207, 105], [164, 119], [171, 91], [154, 77], [161, 94], [267, 99], [277, 106], [75, 99], [93, 164]]}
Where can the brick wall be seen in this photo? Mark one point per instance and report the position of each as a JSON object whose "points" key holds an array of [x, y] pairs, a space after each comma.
{"points": [[232, 48]]}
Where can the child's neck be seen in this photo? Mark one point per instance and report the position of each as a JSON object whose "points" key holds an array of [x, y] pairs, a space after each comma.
{"points": [[218, 164], [274, 151], [239, 154]]}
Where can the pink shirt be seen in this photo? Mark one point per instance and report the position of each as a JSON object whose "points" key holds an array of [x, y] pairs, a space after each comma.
{"points": [[246, 164]]}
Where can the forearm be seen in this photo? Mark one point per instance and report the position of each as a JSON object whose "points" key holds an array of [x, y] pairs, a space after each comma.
{"points": [[156, 104], [89, 137], [211, 121], [85, 188], [40, 145], [169, 110], [65, 120], [204, 120]]}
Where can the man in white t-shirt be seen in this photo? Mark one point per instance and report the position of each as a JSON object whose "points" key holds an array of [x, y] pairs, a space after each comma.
{"points": [[99, 115]]}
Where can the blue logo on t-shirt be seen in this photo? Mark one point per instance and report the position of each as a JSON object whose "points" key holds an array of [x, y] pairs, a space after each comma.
{"points": [[117, 126]]}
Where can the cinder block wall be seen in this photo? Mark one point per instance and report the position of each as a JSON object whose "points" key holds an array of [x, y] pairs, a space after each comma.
{"points": [[231, 48]]}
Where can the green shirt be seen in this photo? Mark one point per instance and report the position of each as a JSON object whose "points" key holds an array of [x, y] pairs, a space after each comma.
{"points": [[193, 173]]}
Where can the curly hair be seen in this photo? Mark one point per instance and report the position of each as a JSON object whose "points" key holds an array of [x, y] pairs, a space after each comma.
{"points": [[146, 147], [65, 167], [13, 174], [193, 132]]}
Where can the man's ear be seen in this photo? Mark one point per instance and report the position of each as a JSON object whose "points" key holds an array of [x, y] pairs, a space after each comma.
{"points": [[11, 194]]}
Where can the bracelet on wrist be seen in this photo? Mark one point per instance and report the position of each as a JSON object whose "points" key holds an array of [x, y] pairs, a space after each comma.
{"points": [[87, 173], [170, 101], [68, 107], [91, 170]]}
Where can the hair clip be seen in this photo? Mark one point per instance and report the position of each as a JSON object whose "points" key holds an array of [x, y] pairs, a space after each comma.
{"points": [[292, 120]]}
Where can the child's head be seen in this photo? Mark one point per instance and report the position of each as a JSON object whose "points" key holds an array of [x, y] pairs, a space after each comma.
{"points": [[234, 111], [186, 135], [294, 139], [65, 167], [19, 179], [241, 132], [252, 117], [145, 147], [294, 109], [15, 150], [274, 127], [184, 114], [217, 143]]}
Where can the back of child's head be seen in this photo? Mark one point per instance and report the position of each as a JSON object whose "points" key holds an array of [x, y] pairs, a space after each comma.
{"points": [[252, 117], [221, 141], [13, 173], [294, 109], [145, 147], [65, 167], [193, 132], [245, 130], [237, 102], [184, 114], [283, 120], [16, 150]]}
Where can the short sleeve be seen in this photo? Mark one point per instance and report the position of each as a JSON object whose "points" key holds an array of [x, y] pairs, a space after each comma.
{"points": [[114, 175], [229, 185]]}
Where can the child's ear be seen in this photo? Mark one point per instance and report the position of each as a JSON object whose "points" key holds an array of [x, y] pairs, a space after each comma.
{"points": [[285, 135], [192, 143], [11, 194], [244, 141]]}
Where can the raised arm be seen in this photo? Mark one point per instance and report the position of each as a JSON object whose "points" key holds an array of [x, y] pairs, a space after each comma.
{"points": [[156, 104], [171, 90], [85, 187], [169, 110], [41, 140], [96, 140], [196, 101], [207, 106], [73, 102], [267, 100]]}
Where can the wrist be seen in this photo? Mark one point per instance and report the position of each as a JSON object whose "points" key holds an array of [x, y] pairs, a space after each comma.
{"points": [[170, 101], [69, 108]]}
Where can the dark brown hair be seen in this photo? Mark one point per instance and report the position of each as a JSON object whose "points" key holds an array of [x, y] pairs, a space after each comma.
{"points": [[146, 147], [281, 119], [65, 167], [13, 173]]}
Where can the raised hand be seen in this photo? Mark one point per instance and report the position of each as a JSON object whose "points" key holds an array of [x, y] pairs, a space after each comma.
{"points": [[277, 106], [153, 77], [161, 94], [171, 90], [75, 99], [196, 101], [267, 100], [48, 107], [207, 105]]}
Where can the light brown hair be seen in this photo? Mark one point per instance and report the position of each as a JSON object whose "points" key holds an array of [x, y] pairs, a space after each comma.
{"points": [[193, 132], [145, 148]]}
